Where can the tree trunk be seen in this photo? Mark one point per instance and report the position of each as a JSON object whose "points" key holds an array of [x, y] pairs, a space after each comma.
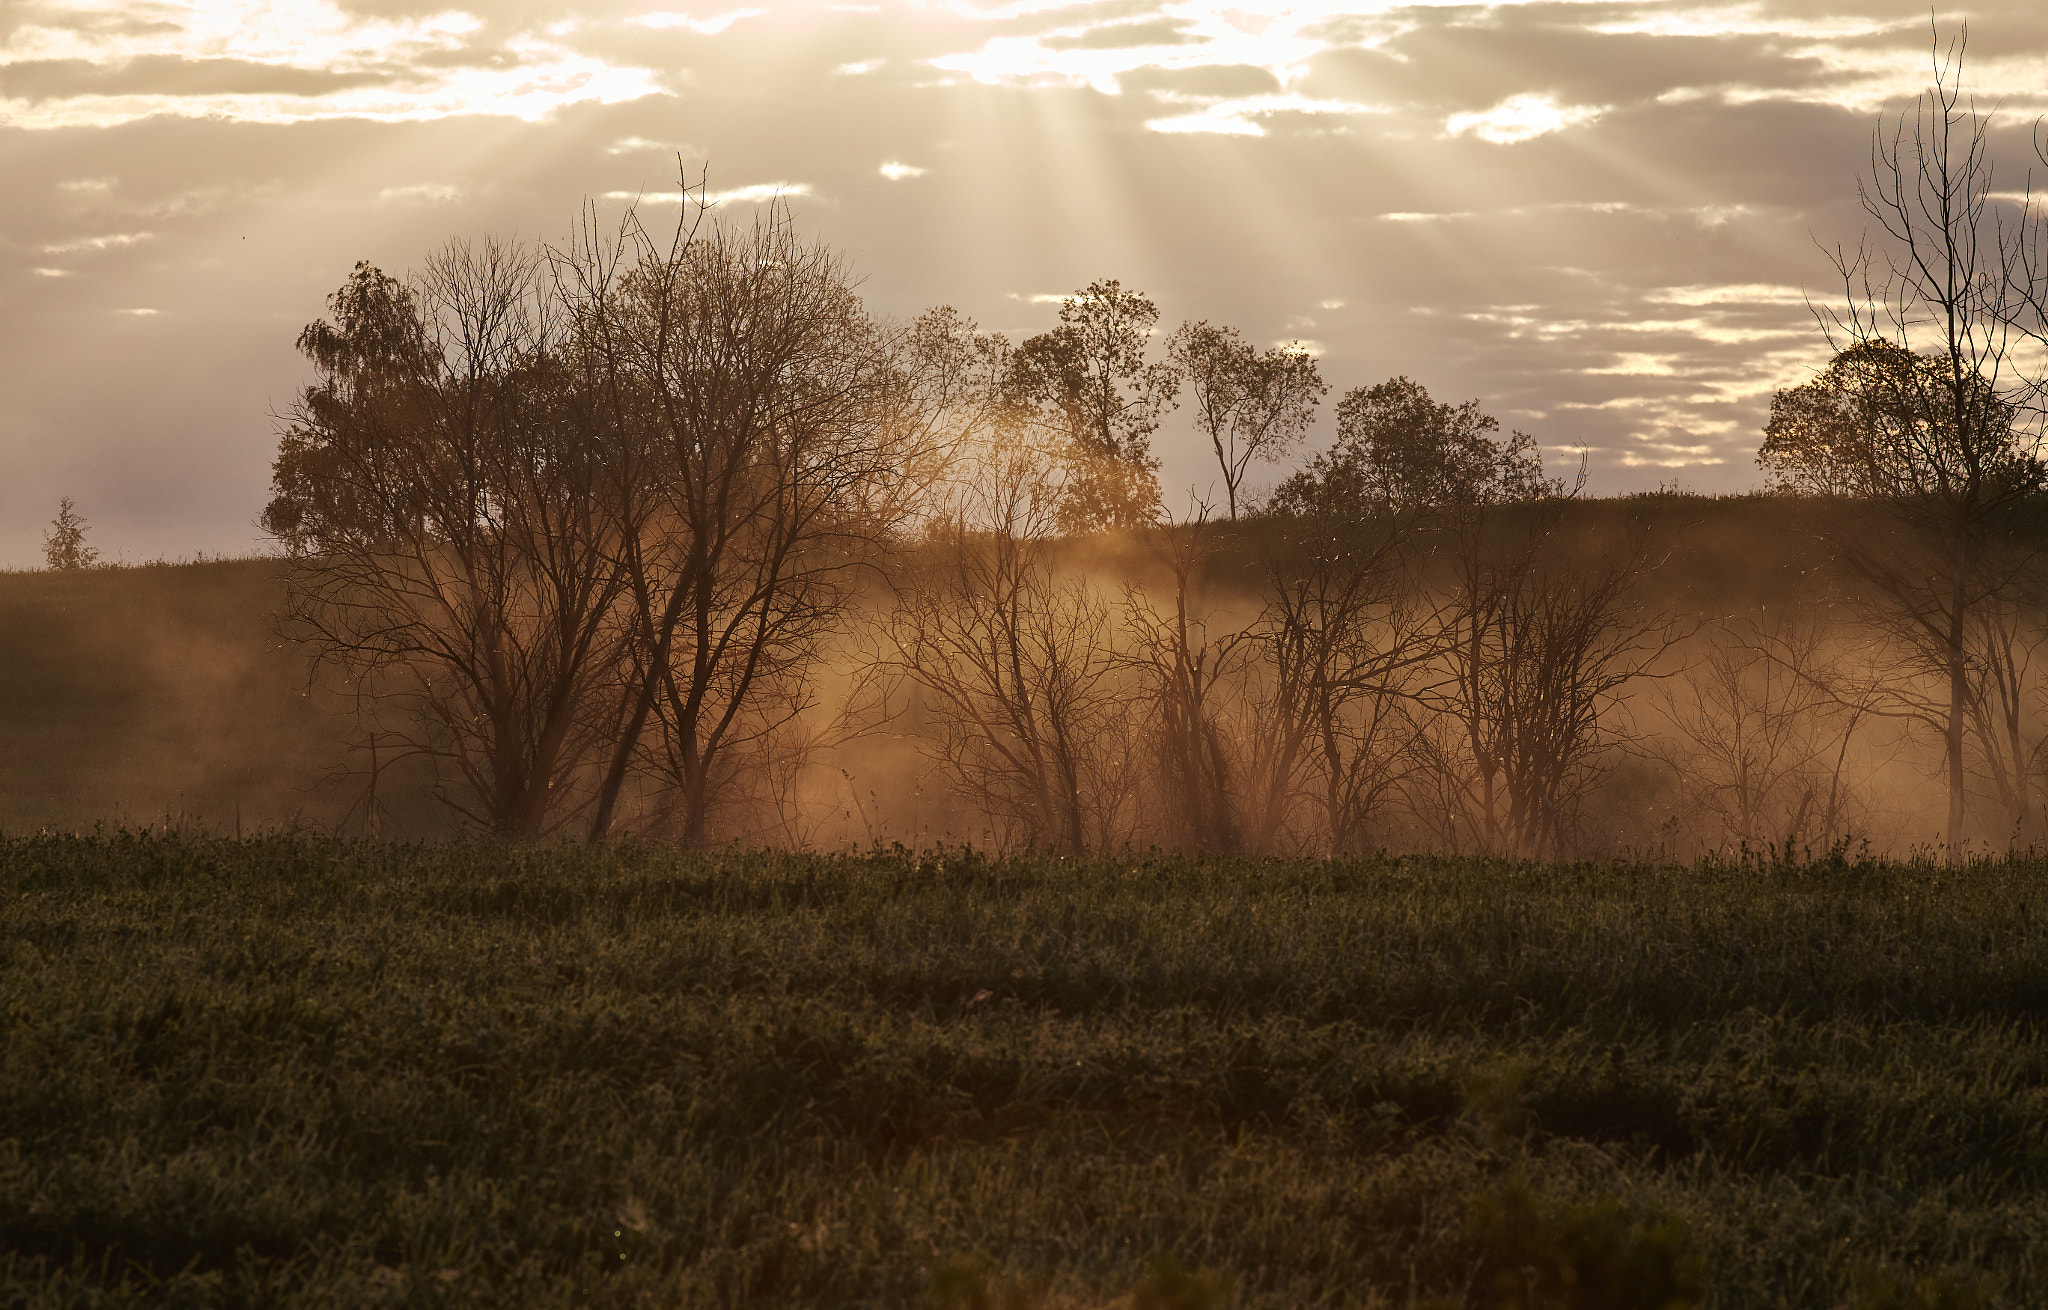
{"points": [[1958, 695]]}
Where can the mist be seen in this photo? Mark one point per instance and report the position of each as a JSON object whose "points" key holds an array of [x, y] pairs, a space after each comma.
{"points": [[1769, 719]]}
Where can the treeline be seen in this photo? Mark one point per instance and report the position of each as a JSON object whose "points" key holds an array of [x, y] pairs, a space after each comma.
{"points": [[593, 528], [659, 531]]}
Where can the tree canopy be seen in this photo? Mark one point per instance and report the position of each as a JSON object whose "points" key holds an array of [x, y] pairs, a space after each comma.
{"points": [[1397, 450], [1883, 421]]}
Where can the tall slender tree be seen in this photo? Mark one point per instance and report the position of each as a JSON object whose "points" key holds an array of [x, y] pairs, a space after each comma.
{"points": [[1251, 405], [1930, 406]]}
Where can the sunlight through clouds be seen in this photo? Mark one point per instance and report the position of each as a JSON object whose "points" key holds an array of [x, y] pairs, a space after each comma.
{"points": [[1602, 213], [386, 69], [1521, 118], [1239, 116]]}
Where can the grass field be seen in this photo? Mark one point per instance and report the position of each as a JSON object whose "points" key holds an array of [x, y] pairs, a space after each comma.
{"points": [[291, 1071]]}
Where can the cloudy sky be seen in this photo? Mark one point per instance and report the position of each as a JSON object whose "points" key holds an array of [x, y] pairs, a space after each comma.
{"points": [[1598, 218]]}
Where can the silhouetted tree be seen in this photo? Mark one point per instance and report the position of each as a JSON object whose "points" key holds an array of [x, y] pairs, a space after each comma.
{"points": [[1538, 648], [766, 431], [1017, 664], [1763, 722], [1926, 405], [1187, 675], [1397, 450], [64, 545], [1334, 715], [439, 490], [1090, 383], [1251, 405]]}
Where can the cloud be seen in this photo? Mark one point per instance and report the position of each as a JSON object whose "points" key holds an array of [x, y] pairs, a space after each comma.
{"points": [[758, 193], [290, 33], [1869, 76], [635, 145], [1703, 328], [283, 61], [429, 193], [1733, 293], [896, 172], [1098, 51], [711, 26], [1238, 116], [1522, 117], [1641, 365], [111, 241], [1746, 20], [1708, 216], [859, 67]]}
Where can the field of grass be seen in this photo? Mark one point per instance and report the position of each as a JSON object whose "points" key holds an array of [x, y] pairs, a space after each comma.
{"points": [[293, 1071]]}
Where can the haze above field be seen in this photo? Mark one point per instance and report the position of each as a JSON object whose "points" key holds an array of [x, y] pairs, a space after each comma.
{"points": [[1599, 218]]}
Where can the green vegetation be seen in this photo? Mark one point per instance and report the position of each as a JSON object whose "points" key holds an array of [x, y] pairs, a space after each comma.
{"points": [[292, 1071]]}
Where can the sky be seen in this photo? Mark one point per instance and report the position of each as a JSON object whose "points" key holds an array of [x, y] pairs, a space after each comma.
{"points": [[1603, 220]]}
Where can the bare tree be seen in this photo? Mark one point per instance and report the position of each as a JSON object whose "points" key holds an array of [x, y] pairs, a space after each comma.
{"points": [[1538, 649], [1332, 710], [439, 497], [64, 547], [2004, 719], [1931, 388], [1251, 405], [1018, 666], [1763, 723], [768, 430], [1900, 675], [1090, 384], [1187, 675]]}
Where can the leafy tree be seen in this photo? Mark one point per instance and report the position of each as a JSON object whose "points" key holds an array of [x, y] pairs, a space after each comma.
{"points": [[64, 545], [1881, 421], [1251, 405], [1398, 450], [1090, 382]]}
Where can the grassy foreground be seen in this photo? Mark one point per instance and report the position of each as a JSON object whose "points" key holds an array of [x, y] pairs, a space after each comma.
{"points": [[287, 1071]]}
